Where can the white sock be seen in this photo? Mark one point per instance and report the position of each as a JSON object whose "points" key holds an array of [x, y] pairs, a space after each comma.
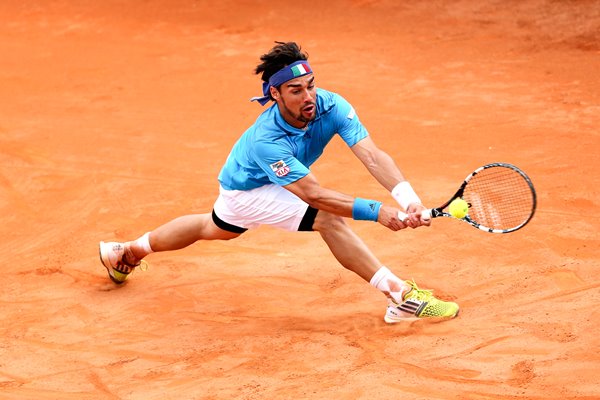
{"points": [[144, 243], [389, 284]]}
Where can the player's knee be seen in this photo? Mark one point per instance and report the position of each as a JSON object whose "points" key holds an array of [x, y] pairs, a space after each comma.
{"points": [[325, 222]]}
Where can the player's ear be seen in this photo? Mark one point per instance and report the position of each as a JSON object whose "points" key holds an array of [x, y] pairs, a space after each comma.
{"points": [[275, 93]]}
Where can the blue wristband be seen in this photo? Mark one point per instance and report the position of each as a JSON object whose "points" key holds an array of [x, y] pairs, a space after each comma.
{"points": [[365, 210]]}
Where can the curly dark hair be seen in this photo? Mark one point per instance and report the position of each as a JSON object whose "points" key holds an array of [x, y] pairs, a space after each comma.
{"points": [[283, 54]]}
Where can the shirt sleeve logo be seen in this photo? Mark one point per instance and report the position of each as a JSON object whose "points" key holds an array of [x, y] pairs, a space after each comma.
{"points": [[280, 168], [351, 114]]}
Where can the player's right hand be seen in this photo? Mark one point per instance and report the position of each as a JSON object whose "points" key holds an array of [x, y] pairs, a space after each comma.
{"points": [[388, 217]]}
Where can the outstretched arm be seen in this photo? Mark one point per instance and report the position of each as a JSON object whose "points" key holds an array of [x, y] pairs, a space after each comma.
{"points": [[384, 169], [379, 163], [321, 198]]}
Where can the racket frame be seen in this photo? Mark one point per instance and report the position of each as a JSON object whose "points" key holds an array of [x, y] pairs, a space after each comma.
{"points": [[439, 211]]}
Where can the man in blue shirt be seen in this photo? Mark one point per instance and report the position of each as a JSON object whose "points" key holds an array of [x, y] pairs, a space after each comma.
{"points": [[271, 139], [266, 180]]}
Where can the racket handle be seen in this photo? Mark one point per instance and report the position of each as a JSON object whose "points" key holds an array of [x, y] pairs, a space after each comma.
{"points": [[425, 215]]}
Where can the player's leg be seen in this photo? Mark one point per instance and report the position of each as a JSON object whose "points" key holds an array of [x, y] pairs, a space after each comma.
{"points": [[120, 259], [346, 246], [350, 250], [406, 300], [179, 233]]}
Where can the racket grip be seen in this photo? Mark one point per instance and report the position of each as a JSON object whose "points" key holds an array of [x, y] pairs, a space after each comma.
{"points": [[425, 215]]}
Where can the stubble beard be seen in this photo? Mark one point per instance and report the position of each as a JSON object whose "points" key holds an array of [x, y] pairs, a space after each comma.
{"points": [[299, 117]]}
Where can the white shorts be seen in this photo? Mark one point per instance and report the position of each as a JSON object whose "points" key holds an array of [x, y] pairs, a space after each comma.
{"points": [[239, 210]]}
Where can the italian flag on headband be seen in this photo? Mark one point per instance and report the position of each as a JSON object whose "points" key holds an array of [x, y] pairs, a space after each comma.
{"points": [[300, 69]]}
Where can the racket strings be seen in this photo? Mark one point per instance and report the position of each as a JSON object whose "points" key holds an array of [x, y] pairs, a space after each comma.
{"points": [[499, 198]]}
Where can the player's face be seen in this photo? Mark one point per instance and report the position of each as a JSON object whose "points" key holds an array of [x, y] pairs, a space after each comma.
{"points": [[297, 100]]}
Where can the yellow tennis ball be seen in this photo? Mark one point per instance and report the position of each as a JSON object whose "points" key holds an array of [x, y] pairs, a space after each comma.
{"points": [[458, 208]]}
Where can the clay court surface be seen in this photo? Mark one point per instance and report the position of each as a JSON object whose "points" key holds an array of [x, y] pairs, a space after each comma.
{"points": [[116, 116]]}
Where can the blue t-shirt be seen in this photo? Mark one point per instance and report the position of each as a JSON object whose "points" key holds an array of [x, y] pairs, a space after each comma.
{"points": [[272, 151]]}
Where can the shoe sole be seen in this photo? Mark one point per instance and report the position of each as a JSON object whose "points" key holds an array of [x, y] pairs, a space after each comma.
{"points": [[106, 265], [397, 320]]}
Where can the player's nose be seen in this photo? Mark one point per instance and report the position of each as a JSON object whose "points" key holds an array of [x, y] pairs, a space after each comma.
{"points": [[308, 97]]}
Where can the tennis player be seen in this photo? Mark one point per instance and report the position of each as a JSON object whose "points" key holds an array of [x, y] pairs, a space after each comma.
{"points": [[266, 180]]}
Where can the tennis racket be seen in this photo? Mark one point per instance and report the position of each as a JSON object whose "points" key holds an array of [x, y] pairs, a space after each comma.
{"points": [[501, 199]]}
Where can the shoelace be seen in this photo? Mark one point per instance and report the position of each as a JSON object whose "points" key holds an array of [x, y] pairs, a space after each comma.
{"points": [[419, 294]]}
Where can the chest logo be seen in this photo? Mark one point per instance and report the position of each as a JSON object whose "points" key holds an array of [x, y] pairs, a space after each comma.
{"points": [[280, 168]]}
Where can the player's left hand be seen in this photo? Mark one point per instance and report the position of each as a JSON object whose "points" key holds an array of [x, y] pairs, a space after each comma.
{"points": [[388, 217]]}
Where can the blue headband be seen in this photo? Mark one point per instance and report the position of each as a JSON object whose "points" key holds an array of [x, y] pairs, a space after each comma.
{"points": [[294, 70]]}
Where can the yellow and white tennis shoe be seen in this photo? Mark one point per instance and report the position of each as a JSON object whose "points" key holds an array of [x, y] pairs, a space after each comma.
{"points": [[419, 303], [112, 257]]}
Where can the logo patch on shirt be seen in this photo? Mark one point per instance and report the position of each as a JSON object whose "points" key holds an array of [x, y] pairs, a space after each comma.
{"points": [[351, 114], [280, 168]]}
